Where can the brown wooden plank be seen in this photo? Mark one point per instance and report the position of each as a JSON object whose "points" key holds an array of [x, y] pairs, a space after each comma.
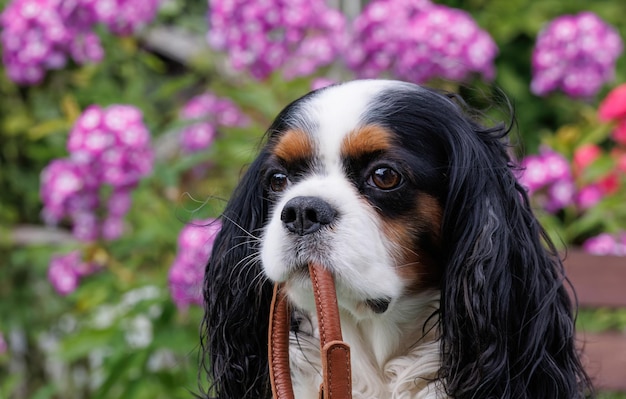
{"points": [[604, 358], [598, 280]]}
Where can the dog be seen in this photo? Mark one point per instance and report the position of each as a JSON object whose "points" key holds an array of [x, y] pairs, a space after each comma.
{"points": [[447, 285]]}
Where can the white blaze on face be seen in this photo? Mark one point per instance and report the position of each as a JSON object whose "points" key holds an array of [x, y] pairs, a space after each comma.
{"points": [[354, 247]]}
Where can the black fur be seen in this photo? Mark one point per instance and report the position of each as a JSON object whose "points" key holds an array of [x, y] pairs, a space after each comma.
{"points": [[237, 296], [506, 321]]}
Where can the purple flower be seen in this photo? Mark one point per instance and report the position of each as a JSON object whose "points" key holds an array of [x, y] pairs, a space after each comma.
{"points": [[211, 112], [557, 166], [61, 180], [379, 35], [546, 168], [197, 137], [418, 41], [123, 17], [575, 54], [194, 249], [550, 174], [108, 146], [119, 202], [63, 274], [560, 195], [112, 227], [534, 174], [298, 36], [65, 271], [606, 244], [113, 144], [588, 196], [38, 35]]}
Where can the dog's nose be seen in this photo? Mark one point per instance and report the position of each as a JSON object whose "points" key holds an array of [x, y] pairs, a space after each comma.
{"points": [[306, 215]]}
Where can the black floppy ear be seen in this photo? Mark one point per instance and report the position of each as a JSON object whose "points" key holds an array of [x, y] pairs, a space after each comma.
{"points": [[506, 318], [237, 297]]}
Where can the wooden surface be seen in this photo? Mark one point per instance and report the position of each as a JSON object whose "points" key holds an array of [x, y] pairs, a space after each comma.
{"points": [[600, 281]]}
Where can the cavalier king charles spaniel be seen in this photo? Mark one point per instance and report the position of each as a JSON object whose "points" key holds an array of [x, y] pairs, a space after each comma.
{"points": [[447, 285]]}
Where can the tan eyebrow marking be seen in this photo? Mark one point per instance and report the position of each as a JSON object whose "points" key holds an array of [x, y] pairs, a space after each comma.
{"points": [[366, 140], [294, 145]]}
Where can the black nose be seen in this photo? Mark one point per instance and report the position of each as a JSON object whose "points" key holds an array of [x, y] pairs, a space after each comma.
{"points": [[306, 215]]}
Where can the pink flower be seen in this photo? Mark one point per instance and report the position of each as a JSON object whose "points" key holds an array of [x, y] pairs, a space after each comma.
{"points": [[619, 134], [603, 244], [61, 181], [575, 54], [415, 40], [609, 184], [556, 165], [560, 195], [606, 244], [588, 196], [613, 107], [194, 249], [212, 112], [65, 271], [197, 137], [107, 146], [62, 272], [534, 174], [585, 155], [297, 36]]}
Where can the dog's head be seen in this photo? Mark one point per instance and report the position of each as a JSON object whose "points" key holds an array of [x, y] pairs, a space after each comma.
{"points": [[397, 191]]}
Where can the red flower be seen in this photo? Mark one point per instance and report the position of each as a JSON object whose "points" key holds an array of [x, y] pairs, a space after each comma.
{"points": [[585, 155], [619, 134], [613, 107], [620, 159], [609, 184]]}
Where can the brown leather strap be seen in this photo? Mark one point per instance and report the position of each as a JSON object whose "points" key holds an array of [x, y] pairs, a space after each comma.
{"points": [[278, 346], [335, 353]]}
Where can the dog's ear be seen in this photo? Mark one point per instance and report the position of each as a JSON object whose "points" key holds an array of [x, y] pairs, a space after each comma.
{"points": [[506, 319], [237, 297]]}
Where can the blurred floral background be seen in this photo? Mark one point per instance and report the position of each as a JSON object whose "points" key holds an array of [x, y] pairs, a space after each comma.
{"points": [[125, 124]]}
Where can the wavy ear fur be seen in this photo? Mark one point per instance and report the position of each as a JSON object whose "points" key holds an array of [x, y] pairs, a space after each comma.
{"points": [[237, 298], [506, 319], [237, 294]]}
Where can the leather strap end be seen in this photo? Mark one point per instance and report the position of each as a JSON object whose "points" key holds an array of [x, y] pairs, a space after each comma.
{"points": [[337, 370]]}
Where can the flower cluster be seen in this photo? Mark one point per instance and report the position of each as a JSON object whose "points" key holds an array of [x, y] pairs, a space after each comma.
{"points": [[556, 184], [195, 243], [123, 17], [414, 41], [613, 109], [38, 35], [606, 244], [65, 271], [209, 112], [575, 54], [550, 173], [108, 147], [297, 36]]}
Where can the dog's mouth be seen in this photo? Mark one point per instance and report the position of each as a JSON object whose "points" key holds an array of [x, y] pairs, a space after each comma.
{"points": [[378, 305], [299, 276]]}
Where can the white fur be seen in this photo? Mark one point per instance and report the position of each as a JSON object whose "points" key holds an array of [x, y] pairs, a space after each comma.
{"points": [[394, 354]]}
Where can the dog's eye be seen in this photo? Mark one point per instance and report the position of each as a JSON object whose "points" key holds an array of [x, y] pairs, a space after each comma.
{"points": [[385, 178], [279, 182]]}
